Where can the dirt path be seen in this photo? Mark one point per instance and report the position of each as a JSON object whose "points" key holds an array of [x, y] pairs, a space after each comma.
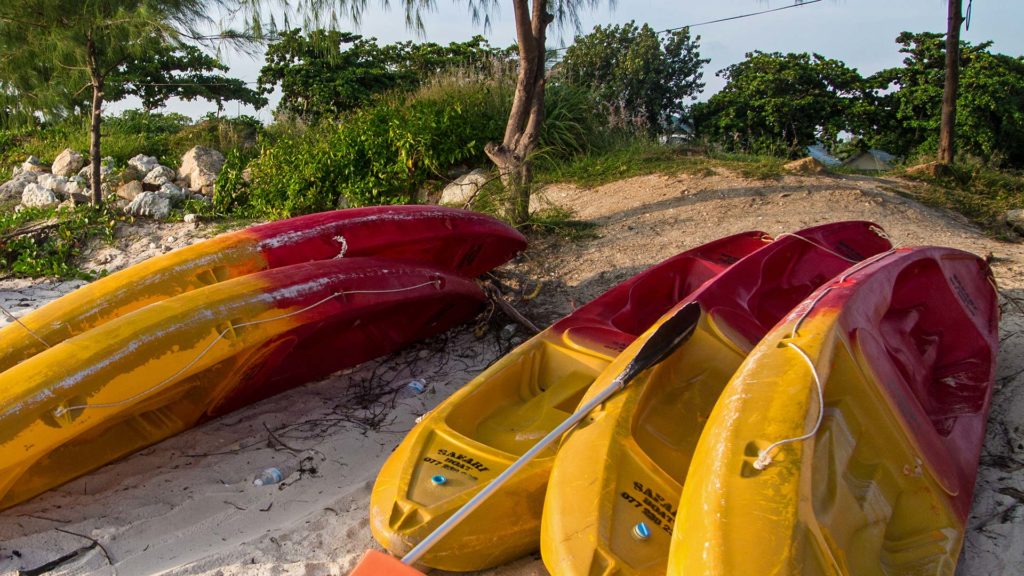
{"points": [[185, 507]]}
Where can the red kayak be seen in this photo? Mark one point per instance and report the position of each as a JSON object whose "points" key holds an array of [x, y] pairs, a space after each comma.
{"points": [[848, 441], [612, 494], [459, 241], [473, 435], [160, 370]]}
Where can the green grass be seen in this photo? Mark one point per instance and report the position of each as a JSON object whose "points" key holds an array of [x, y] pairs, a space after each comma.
{"points": [[640, 157], [47, 242], [980, 193], [559, 222]]}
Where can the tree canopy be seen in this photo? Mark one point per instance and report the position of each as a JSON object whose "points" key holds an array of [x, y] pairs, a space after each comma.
{"points": [[635, 73], [326, 72], [780, 103], [53, 51]]}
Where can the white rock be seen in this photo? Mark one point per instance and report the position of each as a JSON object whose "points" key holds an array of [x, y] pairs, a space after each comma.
{"points": [[16, 171], [57, 184], [464, 187], [32, 164], [191, 218], [150, 205], [1015, 218], [67, 163], [172, 192], [86, 172], [159, 176], [36, 196], [143, 164], [76, 185], [12, 189], [200, 167]]}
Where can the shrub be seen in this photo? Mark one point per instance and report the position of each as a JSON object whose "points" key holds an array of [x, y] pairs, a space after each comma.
{"points": [[379, 154], [46, 242]]}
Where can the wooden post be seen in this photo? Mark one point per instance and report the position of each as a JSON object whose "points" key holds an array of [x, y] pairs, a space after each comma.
{"points": [[947, 127]]}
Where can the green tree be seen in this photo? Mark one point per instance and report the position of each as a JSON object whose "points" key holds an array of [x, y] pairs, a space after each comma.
{"points": [[327, 72], [49, 47], [513, 154], [184, 72], [990, 101], [779, 103], [324, 72], [635, 73], [990, 109]]}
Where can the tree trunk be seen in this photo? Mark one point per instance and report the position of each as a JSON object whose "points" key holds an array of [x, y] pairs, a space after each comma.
{"points": [[94, 127], [949, 92], [512, 155]]}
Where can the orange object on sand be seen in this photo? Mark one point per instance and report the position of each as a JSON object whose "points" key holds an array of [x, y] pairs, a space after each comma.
{"points": [[376, 563]]}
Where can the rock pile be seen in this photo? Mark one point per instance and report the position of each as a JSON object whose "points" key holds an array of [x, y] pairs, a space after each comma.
{"points": [[143, 188]]}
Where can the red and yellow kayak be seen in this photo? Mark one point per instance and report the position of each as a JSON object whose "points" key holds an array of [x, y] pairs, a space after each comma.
{"points": [[616, 481], [154, 372], [877, 478], [460, 241], [481, 429]]}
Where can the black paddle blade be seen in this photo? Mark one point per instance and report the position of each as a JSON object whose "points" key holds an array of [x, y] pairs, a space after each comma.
{"points": [[666, 339]]}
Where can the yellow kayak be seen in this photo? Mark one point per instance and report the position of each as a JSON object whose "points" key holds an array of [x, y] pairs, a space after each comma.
{"points": [[152, 373], [455, 240], [615, 484], [848, 442], [476, 433]]}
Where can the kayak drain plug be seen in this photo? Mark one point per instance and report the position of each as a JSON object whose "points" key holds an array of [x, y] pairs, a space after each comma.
{"points": [[641, 531], [438, 479]]}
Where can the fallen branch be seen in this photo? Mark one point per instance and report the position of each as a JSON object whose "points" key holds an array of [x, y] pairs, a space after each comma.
{"points": [[494, 294]]}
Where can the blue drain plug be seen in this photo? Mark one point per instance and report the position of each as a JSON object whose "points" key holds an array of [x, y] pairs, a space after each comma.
{"points": [[438, 479], [641, 531]]}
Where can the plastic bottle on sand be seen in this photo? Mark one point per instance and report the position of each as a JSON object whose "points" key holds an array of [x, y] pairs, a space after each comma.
{"points": [[273, 475]]}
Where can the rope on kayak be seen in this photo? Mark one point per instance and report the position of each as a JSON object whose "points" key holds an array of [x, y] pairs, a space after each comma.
{"points": [[62, 410], [815, 244], [15, 319], [344, 247], [764, 457], [835, 283]]}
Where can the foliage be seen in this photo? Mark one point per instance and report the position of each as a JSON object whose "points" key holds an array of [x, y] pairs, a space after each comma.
{"points": [[166, 136], [560, 222], [58, 49], [386, 151], [626, 155], [635, 73], [46, 242], [379, 154], [990, 106], [779, 103], [977, 191], [326, 72], [178, 71]]}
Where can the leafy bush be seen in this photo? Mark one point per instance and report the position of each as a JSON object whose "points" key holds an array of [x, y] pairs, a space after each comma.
{"points": [[46, 242], [380, 154], [166, 136]]}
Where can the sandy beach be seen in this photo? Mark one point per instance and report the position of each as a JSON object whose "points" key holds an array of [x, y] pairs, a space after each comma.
{"points": [[187, 506]]}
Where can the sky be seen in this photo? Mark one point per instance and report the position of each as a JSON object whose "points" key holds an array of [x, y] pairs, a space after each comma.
{"points": [[861, 33]]}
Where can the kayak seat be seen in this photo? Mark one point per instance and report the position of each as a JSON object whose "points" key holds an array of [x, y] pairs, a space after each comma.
{"points": [[935, 347], [527, 399], [654, 295]]}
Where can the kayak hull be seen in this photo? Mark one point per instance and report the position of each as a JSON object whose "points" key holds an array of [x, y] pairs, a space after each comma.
{"points": [[157, 371], [480, 430], [459, 241], [905, 349], [616, 481]]}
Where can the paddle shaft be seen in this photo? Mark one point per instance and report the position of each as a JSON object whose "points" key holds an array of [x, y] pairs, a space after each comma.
{"points": [[663, 341]]}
